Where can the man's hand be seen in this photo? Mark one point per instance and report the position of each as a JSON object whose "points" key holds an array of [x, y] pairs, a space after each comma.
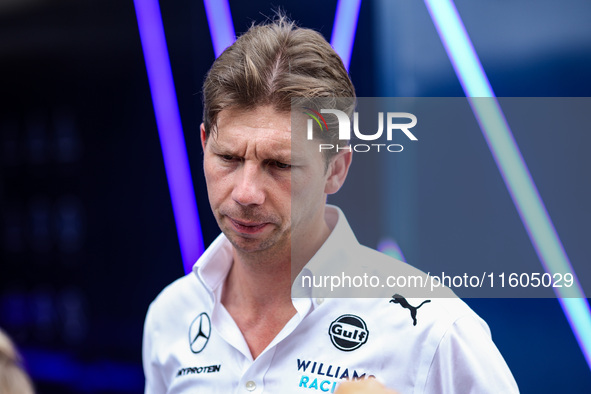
{"points": [[367, 386]]}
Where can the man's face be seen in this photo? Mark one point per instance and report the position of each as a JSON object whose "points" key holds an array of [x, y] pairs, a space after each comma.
{"points": [[263, 192]]}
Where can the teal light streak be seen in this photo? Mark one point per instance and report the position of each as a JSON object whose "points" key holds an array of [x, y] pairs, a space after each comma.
{"points": [[513, 169]]}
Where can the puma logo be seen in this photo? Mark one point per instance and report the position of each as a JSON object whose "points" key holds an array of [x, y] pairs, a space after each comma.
{"points": [[398, 299]]}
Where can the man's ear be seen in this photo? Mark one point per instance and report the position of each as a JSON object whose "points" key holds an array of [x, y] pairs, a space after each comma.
{"points": [[337, 171], [203, 136]]}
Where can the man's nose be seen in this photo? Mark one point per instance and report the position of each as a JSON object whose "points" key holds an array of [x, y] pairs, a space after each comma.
{"points": [[249, 187]]}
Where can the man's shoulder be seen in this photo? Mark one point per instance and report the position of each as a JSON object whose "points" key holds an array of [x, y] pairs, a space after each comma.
{"points": [[181, 293], [417, 314], [191, 288], [359, 271], [407, 291], [410, 328]]}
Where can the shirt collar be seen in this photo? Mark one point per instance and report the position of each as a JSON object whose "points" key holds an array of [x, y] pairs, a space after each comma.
{"points": [[213, 266], [338, 243], [337, 249]]}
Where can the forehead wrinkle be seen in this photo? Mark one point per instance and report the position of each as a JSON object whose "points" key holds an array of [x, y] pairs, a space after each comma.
{"points": [[260, 117], [270, 146], [262, 133], [261, 143]]}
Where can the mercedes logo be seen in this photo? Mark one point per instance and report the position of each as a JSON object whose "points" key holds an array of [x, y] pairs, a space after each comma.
{"points": [[199, 333]]}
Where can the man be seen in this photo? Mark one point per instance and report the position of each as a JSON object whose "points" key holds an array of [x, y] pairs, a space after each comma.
{"points": [[233, 325]]}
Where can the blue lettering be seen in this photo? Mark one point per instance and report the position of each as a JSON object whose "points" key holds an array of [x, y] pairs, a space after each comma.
{"points": [[314, 384], [328, 372], [320, 369], [355, 376], [304, 381], [345, 374], [303, 365], [316, 367]]}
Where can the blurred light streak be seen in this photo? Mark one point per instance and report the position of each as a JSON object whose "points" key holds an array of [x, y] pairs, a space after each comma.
{"points": [[170, 130], [221, 27], [513, 169], [65, 369], [343, 30], [390, 247]]}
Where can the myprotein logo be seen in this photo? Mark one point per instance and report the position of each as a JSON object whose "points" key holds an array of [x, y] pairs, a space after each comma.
{"points": [[395, 123], [348, 332]]}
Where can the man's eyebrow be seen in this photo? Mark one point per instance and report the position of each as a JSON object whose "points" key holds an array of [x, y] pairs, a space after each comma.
{"points": [[228, 149], [217, 147], [282, 158]]}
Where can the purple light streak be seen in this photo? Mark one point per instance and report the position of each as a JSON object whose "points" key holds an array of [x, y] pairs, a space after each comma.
{"points": [[343, 31], [220, 23], [170, 131]]}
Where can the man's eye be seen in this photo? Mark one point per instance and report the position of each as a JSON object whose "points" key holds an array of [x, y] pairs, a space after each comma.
{"points": [[281, 165], [227, 157]]}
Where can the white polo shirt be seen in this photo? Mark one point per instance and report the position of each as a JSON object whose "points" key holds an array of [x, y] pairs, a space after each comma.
{"points": [[192, 344]]}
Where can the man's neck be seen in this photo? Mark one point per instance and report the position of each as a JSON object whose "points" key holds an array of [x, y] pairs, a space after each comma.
{"points": [[258, 297], [257, 291], [255, 282]]}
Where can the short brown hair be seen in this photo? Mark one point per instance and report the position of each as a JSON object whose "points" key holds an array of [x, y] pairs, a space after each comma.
{"points": [[271, 64]]}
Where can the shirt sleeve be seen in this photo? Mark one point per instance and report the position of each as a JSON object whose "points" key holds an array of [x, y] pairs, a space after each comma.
{"points": [[467, 361], [154, 382]]}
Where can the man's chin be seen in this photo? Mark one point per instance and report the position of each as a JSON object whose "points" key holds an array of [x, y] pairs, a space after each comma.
{"points": [[248, 244]]}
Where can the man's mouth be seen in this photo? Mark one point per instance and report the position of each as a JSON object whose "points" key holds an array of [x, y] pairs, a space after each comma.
{"points": [[247, 227]]}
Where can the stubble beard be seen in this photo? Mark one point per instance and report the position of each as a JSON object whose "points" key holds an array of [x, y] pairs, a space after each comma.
{"points": [[276, 243]]}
